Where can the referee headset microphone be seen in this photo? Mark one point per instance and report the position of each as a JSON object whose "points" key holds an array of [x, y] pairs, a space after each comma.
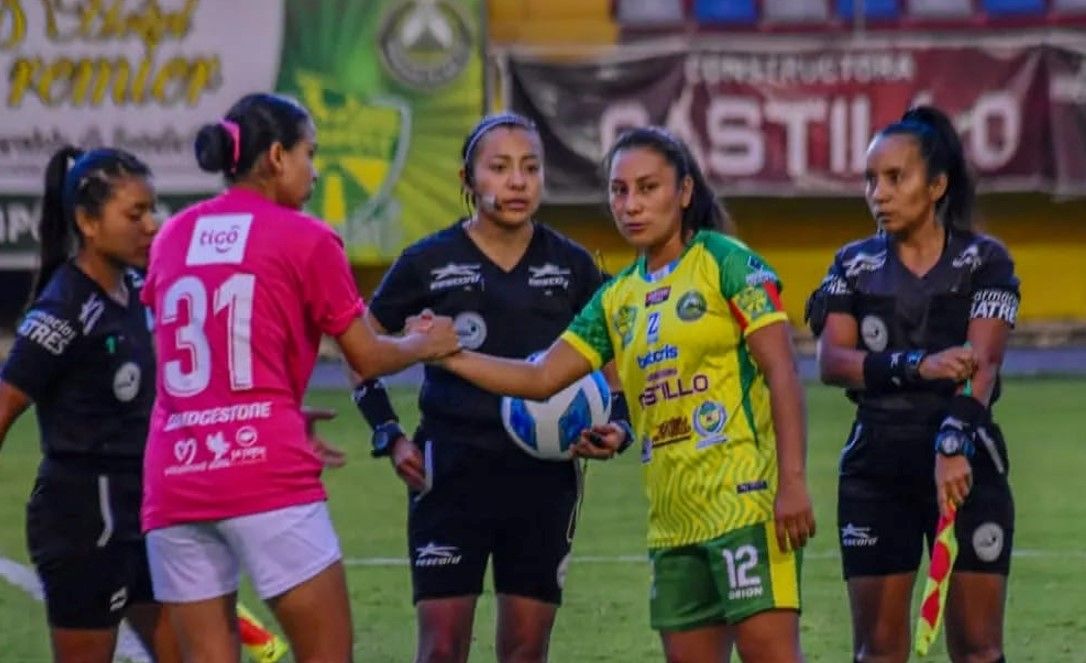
{"points": [[491, 201]]}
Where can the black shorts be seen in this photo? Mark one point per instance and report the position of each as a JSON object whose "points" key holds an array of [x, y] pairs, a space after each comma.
{"points": [[887, 510], [481, 503], [84, 540]]}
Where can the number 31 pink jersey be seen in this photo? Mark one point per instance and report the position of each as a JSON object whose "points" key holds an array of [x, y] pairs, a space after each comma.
{"points": [[241, 290]]}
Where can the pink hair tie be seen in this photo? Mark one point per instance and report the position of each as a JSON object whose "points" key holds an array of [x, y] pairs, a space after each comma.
{"points": [[234, 130]]}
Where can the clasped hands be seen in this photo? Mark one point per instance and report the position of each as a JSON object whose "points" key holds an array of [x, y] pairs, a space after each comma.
{"points": [[436, 333]]}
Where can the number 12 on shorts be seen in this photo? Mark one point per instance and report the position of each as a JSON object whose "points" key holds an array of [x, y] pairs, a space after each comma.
{"points": [[739, 564]]}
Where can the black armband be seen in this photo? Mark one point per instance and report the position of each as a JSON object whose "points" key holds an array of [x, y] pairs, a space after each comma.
{"points": [[884, 371], [620, 415], [816, 311], [371, 398], [958, 431]]}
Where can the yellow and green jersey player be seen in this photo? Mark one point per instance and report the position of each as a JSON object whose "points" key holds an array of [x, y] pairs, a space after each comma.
{"points": [[697, 332], [702, 411]]}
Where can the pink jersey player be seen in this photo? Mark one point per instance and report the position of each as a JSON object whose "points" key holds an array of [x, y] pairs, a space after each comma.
{"points": [[242, 287], [242, 290]]}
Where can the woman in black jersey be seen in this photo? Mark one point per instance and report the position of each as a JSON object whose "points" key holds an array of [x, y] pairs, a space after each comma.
{"points": [[83, 356], [512, 286], [913, 322]]}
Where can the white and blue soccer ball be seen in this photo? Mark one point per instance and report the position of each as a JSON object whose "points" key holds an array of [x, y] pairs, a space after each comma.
{"points": [[547, 429]]}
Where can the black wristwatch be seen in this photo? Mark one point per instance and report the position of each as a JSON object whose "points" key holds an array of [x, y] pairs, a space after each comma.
{"points": [[952, 442], [384, 436]]}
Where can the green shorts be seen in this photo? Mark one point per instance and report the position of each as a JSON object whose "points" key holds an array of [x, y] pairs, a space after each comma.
{"points": [[723, 580]]}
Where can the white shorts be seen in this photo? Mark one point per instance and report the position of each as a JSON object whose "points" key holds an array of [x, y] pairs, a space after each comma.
{"points": [[279, 550]]}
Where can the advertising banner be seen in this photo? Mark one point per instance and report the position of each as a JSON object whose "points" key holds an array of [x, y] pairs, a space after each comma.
{"points": [[393, 85], [780, 118]]}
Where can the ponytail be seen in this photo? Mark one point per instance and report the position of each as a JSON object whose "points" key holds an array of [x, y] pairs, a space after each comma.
{"points": [[943, 154], [56, 227]]}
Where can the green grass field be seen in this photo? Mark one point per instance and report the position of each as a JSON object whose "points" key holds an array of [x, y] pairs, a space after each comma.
{"points": [[605, 617]]}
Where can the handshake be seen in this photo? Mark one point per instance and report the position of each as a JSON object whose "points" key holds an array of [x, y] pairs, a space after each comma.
{"points": [[433, 337]]}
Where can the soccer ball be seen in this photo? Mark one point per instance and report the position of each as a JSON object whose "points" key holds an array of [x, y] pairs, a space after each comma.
{"points": [[547, 429]]}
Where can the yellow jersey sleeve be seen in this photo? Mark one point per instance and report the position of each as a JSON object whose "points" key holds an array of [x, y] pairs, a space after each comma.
{"points": [[749, 285], [588, 333]]}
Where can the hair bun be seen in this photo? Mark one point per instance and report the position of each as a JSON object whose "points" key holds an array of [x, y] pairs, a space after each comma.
{"points": [[214, 148]]}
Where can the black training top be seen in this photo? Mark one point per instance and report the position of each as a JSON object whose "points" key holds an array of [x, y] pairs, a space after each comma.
{"points": [[88, 364], [508, 314], [898, 310]]}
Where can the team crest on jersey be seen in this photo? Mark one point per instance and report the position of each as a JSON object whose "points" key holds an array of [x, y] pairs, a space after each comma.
{"points": [[691, 306], [709, 420], [126, 381], [455, 275], [970, 258], [623, 321], [864, 262], [471, 328], [364, 144], [874, 332], [548, 276]]}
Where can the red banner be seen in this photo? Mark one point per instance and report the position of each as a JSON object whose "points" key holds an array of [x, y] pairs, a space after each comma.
{"points": [[779, 118]]}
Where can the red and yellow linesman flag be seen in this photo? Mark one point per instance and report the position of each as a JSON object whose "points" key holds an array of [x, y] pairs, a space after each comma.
{"points": [[262, 645], [943, 554]]}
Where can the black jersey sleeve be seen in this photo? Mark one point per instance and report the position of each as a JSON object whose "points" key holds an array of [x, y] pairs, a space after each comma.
{"points": [[833, 295], [400, 294], [995, 289], [46, 344]]}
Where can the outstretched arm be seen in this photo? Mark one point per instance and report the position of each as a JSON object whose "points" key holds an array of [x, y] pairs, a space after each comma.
{"points": [[372, 355], [559, 367]]}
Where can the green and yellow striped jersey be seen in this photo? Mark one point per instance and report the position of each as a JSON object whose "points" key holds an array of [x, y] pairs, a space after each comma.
{"points": [[698, 402]]}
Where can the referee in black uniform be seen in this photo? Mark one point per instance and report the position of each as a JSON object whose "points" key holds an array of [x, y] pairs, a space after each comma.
{"points": [[913, 322], [512, 285], [83, 355]]}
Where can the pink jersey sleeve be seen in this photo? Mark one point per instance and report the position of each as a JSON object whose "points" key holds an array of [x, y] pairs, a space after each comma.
{"points": [[331, 296]]}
